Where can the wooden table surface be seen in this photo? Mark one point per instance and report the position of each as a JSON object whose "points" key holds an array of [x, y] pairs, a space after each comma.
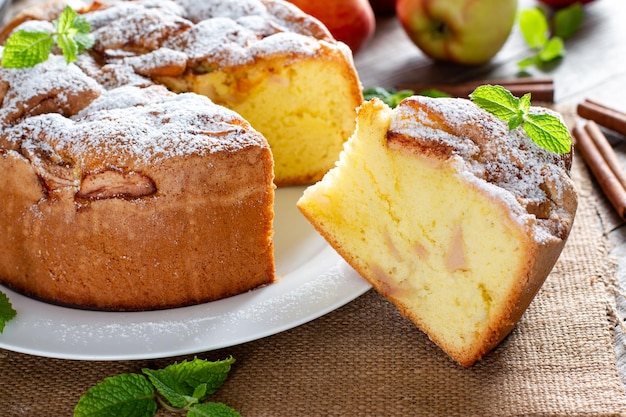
{"points": [[593, 66]]}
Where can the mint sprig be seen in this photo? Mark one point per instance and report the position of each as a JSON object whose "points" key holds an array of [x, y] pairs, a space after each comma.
{"points": [[180, 387], [24, 49], [7, 312], [129, 395], [546, 36], [546, 130], [187, 383]]}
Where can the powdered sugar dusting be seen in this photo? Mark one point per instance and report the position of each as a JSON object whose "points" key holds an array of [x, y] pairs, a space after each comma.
{"points": [[53, 79], [131, 124], [212, 34], [505, 163], [135, 41]]}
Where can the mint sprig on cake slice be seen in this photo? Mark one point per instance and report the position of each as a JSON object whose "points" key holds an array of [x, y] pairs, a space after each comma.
{"points": [[546, 130]]}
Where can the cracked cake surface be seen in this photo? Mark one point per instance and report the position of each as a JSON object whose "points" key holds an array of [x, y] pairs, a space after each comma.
{"points": [[276, 66]]}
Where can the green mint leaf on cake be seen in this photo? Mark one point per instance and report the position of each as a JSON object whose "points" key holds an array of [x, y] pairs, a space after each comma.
{"points": [[497, 100], [72, 34], [7, 312], [546, 130], [180, 387], [129, 395], [25, 49], [189, 382]]}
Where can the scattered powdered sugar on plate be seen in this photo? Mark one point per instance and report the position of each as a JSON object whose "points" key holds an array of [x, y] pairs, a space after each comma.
{"points": [[53, 331], [273, 309]]}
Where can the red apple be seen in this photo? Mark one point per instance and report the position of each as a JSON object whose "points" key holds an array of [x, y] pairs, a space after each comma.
{"points": [[557, 4], [350, 21], [468, 32]]}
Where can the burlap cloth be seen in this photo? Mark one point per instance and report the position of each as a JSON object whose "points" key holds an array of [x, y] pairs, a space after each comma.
{"points": [[365, 359]]}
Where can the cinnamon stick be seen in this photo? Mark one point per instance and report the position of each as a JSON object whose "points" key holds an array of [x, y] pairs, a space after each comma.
{"points": [[589, 141], [606, 150], [603, 115], [541, 88]]}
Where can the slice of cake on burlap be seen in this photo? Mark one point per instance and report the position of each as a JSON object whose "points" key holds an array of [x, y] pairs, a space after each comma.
{"points": [[451, 216]]}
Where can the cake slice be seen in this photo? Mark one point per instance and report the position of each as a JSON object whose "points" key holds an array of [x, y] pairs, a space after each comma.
{"points": [[451, 216]]}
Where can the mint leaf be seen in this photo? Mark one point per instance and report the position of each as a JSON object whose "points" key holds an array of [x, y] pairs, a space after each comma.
{"points": [[552, 50], [568, 20], [26, 49], [183, 384], [546, 130], [524, 103], [72, 34], [69, 47], [528, 62], [170, 388], [7, 312], [124, 395], [65, 21], [76, 28], [546, 37], [84, 40], [534, 27], [497, 100], [187, 383], [212, 410]]}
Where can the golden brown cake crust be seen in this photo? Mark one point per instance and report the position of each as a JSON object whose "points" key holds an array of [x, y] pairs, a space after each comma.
{"points": [[141, 199], [82, 173]]}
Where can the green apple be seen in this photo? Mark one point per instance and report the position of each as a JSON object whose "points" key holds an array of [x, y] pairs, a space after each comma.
{"points": [[468, 32]]}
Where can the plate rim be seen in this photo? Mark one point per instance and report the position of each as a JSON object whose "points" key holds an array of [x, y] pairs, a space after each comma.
{"points": [[307, 291]]}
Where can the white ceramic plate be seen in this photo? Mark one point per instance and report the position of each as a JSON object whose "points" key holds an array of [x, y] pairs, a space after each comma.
{"points": [[314, 281]]}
